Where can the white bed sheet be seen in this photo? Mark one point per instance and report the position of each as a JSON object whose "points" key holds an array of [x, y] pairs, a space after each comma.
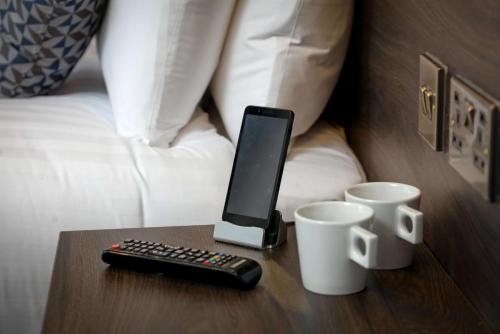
{"points": [[63, 167]]}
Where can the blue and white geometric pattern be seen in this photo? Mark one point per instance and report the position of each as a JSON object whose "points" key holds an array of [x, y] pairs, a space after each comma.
{"points": [[42, 40]]}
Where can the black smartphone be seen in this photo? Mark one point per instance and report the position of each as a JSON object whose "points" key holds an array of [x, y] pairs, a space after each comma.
{"points": [[258, 166]]}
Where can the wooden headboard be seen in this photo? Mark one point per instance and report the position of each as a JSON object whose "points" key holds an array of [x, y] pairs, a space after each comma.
{"points": [[378, 104]]}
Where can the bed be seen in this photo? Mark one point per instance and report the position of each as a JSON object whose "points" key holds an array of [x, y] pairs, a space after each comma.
{"points": [[64, 167]]}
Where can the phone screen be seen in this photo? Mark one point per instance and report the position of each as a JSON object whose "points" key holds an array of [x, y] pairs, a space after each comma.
{"points": [[257, 165]]}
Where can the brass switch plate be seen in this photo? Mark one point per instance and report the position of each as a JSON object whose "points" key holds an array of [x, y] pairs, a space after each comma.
{"points": [[431, 101]]}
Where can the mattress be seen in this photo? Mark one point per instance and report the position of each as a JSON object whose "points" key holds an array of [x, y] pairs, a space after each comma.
{"points": [[63, 167]]}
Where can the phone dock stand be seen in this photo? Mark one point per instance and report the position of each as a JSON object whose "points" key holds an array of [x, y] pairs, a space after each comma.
{"points": [[252, 236]]}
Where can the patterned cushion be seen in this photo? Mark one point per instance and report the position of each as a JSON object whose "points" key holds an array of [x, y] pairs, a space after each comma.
{"points": [[42, 40]]}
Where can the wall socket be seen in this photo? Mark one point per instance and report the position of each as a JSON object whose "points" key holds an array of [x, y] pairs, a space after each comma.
{"points": [[472, 127]]}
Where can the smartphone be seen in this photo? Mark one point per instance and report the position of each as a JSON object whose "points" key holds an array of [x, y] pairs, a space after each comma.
{"points": [[258, 166]]}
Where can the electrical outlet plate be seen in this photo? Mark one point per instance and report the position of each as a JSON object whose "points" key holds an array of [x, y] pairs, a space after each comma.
{"points": [[431, 101], [472, 116]]}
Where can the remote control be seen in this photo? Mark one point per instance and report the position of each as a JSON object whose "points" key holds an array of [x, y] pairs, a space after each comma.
{"points": [[183, 262]]}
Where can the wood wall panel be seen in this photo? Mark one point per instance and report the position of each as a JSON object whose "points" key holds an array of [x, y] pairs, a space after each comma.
{"points": [[461, 228]]}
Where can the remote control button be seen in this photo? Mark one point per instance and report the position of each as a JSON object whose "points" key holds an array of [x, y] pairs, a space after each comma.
{"points": [[212, 253], [182, 256], [207, 263], [115, 246], [143, 242], [237, 263], [173, 255], [144, 250], [128, 241], [179, 251], [199, 260]]}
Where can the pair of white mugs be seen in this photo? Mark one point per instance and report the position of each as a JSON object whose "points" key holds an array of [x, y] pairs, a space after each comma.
{"points": [[375, 228]]}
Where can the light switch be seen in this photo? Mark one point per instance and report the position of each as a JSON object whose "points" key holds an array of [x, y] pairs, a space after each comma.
{"points": [[431, 101]]}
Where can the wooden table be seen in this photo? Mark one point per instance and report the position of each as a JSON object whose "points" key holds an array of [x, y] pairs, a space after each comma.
{"points": [[86, 296]]}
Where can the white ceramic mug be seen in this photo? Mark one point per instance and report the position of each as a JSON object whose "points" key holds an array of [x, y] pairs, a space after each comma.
{"points": [[335, 247], [397, 221]]}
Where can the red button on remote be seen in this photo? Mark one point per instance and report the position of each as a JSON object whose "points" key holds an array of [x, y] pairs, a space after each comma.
{"points": [[115, 246]]}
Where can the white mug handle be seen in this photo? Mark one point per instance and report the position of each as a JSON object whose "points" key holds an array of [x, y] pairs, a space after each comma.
{"points": [[415, 236], [368, 258]]}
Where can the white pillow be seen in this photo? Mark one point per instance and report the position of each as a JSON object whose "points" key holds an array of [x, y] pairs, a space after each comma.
{"points": [[282, 53], [157, 59]]}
